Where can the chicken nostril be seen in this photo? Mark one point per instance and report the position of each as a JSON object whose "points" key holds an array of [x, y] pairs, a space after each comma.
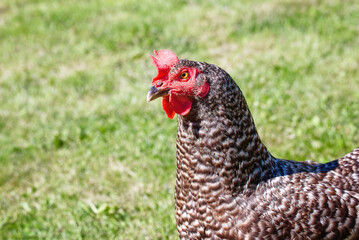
{"points": [[159, 84]]}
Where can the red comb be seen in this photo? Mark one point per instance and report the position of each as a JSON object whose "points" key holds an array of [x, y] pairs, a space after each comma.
{"points": [[163, 60]]}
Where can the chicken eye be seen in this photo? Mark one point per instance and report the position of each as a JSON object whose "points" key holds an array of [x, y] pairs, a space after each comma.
{"points": [[184, 75]]}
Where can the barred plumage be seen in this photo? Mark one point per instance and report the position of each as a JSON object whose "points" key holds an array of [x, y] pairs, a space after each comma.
{"points": [[230, 187]]}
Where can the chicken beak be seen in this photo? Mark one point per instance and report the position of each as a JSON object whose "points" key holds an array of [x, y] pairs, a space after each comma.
{"points": [[156, 92]]}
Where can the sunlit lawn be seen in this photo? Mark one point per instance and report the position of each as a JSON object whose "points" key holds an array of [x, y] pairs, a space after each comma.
{"points": [[83, 156]]}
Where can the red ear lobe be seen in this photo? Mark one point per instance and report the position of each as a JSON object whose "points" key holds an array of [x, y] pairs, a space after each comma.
{"points": [[203, 90]]}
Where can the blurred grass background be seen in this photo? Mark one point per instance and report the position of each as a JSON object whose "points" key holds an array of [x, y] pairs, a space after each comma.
{"points": [[83, 156]]}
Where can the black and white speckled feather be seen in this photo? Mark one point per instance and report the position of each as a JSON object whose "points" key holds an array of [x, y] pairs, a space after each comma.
{"points": [[230, 187]]}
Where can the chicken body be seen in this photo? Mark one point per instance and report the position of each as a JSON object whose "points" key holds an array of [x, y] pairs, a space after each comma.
{"points": [[229, 186]]}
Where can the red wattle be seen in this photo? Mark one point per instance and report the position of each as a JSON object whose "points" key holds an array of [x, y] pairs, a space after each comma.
{"points": [[180, 104], [167, 107], [176, 104]]}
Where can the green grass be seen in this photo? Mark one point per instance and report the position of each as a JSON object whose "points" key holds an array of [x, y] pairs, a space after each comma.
{"points": [[83, 156]]}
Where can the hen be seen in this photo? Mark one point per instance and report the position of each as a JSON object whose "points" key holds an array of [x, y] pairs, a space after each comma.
{"points": [[228, 184]]}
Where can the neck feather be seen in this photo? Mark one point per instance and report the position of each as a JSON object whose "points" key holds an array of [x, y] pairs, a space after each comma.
{"points": [[218, 141]]}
